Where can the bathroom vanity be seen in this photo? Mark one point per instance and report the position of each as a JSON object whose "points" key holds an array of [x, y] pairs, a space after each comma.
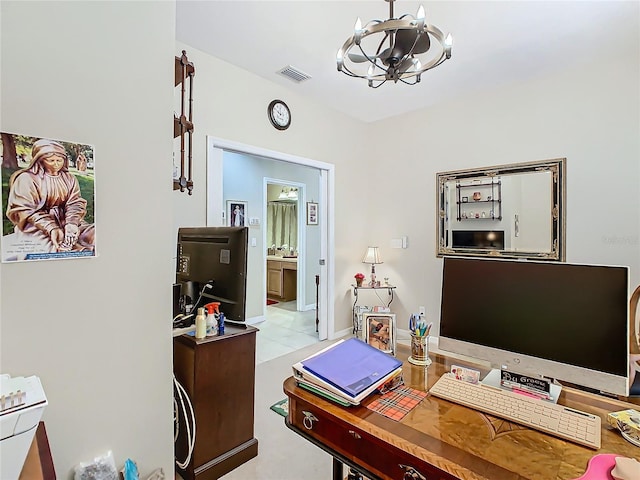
{"points": [[282, 277]]}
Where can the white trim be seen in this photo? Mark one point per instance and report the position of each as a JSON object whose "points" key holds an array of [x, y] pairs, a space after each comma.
{"points": [[215, 148]]}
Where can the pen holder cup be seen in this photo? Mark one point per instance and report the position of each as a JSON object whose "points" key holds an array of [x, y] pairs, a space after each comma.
{"points": [[420, 350]]}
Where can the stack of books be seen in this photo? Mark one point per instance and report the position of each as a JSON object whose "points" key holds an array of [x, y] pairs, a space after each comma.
{"points": [[347, 371]]}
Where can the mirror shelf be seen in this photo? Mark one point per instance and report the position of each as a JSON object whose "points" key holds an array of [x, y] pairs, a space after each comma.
{"points": [[509, 211]]}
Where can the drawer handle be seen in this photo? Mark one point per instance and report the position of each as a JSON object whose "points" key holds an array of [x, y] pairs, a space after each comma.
{"points": [[308, 420], [411, 472], [355, 435]]}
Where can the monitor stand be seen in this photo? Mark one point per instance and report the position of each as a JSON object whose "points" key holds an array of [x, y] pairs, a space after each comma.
{"points": [[492, 379]]}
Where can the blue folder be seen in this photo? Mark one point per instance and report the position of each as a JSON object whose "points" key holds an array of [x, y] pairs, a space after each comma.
{"points": [[351, 366]]}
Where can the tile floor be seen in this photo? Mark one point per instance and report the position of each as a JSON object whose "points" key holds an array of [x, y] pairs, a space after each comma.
{"points": [[284, 330]]}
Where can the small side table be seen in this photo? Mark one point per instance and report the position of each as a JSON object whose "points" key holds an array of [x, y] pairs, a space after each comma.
{"points": [[354, 309]]}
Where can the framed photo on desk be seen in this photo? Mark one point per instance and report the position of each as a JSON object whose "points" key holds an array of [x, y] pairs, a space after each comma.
{"points": [[380, 331]]}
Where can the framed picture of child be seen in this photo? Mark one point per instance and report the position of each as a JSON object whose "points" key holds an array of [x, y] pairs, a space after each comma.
{"points": [[380, 331]]}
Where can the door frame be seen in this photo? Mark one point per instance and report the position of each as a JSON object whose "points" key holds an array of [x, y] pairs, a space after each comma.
{"points": [[326, 214]]}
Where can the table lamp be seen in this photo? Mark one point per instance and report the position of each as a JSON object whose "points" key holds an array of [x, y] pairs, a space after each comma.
{"points": [[372, 256]]}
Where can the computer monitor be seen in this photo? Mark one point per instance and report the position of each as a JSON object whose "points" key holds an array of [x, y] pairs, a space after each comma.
{"points": [[563, 321], [212, 264]]}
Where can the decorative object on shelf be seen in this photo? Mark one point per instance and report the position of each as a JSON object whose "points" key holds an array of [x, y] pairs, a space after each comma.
{"points": [[397, 49], [477, 196], [465, 199], [359, 277], [183, 125], [372, 256], [236, 213], [380, 331], [386, 281], [279, 114], [312, 213]]}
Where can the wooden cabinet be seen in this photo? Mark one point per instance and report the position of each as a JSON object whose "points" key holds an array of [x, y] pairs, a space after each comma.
{"points": [[274, 278], [218, 374], [282, 279]]}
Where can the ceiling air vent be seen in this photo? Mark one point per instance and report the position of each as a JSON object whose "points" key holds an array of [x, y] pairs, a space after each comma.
{"points": [[294, 74]]}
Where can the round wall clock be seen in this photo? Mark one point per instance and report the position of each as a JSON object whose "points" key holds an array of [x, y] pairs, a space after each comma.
{"points": [[279, 114]]}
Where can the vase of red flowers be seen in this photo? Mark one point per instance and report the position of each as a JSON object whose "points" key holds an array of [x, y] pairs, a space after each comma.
{"points": [[359, 277]]}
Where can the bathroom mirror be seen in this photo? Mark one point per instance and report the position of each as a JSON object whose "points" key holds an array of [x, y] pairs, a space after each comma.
{"points": [[510, 211]]}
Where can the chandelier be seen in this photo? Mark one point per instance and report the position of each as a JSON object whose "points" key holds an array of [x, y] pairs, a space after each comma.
{"points": [[398, 49]]}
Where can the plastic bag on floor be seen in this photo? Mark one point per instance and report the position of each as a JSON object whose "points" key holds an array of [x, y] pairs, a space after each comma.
{"points": [[102, 468]]}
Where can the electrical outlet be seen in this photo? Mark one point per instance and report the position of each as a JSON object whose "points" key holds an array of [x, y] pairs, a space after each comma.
{"points": [[422, 310]]}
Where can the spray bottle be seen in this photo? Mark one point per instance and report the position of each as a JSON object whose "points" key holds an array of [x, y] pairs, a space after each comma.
{"points": [[213, 313], [201, 324]]}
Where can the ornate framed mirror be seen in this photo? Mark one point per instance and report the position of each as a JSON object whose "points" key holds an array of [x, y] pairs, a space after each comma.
{"points": [[510, 211]]}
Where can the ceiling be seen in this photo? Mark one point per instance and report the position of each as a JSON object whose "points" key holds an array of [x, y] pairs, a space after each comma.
{"points": [[495, 43]]}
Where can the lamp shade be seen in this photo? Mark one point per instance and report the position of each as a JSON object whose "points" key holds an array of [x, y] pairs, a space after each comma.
{"points": [[372, 256]]}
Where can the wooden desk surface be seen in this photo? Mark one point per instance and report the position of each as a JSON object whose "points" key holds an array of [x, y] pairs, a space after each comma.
{"points": [[449, 441]]}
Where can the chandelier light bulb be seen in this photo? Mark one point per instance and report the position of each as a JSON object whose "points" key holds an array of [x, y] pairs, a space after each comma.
{"points": [[420, 14], [372, 69], [448, 41], [358, 26]]}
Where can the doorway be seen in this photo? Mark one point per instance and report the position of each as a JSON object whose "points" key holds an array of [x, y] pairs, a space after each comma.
{"points": [[322, 262], [284, 237]]}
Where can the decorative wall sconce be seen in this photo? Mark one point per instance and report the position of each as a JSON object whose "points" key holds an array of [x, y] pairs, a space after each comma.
{"points": [[183, 125]]}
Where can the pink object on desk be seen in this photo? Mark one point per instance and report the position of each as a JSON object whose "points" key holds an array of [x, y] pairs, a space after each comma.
{"points": [[599, 467]]}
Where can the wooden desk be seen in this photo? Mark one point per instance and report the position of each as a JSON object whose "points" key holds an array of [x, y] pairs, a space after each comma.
{"points": [[444, 441]]}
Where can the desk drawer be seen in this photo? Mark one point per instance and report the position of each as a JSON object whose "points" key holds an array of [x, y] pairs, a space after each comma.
{"points": [[362, 448]]}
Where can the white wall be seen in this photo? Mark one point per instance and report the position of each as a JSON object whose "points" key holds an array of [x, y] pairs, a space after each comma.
{"points": [[587, 113], [231, 104], [96, 331]]}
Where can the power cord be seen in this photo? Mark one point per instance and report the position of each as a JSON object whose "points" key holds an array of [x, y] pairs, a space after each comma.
{"points": [[190, 421], [206, 286], [185, 319]]}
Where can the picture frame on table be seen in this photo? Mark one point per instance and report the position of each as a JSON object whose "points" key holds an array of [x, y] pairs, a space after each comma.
{"points": [[312, 213], [236, 213], [380, 331]]}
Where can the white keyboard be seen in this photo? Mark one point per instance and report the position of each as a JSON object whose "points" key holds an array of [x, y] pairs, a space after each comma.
{"points": [[548, 417]]}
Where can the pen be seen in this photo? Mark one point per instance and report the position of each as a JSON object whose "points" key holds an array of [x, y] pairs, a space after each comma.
{"points": [[429, 328]]}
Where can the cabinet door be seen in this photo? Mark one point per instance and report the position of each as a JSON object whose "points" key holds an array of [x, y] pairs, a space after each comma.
{"points": [[274, 279]]}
